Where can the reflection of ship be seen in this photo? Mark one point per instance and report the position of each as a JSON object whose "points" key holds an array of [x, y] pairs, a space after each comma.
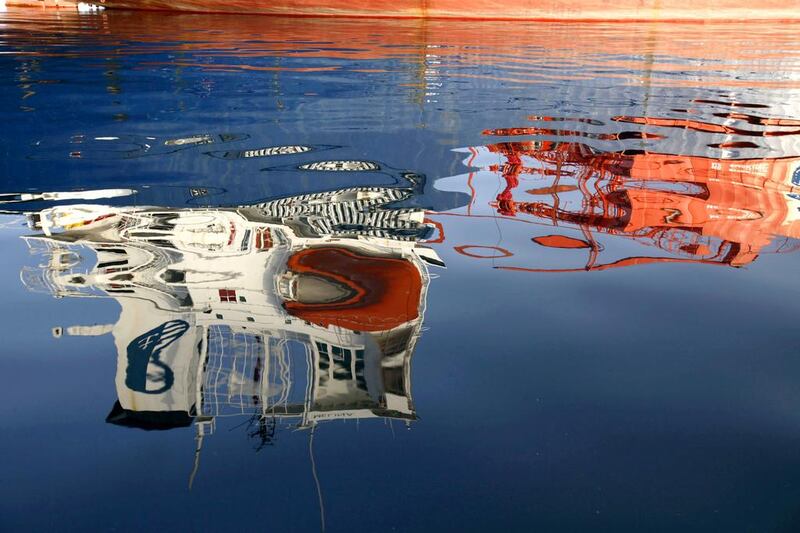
{"points": [[690, 208], [303, 309]]}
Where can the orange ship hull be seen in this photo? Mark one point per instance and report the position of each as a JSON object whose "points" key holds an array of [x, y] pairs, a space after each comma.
{"points": [[488, 9]]}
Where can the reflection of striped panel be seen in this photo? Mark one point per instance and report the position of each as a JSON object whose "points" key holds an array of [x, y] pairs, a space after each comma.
{"points": [[341, 166], [319, 203], [386, 224], [275, 150], [328, 215]]}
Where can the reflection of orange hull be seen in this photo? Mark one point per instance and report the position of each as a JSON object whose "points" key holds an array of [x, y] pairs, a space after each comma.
{"points": [[745, 201], [242, 42], [675, 201], [488, 9]]}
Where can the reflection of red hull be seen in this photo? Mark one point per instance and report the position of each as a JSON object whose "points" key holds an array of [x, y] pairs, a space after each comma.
{"points": [[489, 9]]}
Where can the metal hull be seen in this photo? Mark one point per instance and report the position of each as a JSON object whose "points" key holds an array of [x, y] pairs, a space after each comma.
{"points": [[489, 9]]}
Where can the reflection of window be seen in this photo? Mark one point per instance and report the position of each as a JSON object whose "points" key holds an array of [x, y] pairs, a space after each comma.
{"points": [[396, 342], [344, 367], [324, 363], [227, 295], [393, 380], [361, 382], [263, 239], [342, 358]]}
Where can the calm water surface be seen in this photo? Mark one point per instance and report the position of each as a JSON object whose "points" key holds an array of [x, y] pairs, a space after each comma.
{"points": [[301, 274]]}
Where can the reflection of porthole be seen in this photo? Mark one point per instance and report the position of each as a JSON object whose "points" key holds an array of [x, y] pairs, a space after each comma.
{"points": [[341, 166], [501, 252]]}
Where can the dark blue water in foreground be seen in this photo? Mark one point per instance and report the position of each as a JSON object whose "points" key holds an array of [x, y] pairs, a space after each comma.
{"points": [[265, 273]]}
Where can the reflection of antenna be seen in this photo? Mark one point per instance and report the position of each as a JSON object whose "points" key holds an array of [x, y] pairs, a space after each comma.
{"points": [[196, 465], [316, 479]]}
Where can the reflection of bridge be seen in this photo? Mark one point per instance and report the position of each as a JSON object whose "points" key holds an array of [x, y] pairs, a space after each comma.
{"points": [[690, 209], [302, 309]]}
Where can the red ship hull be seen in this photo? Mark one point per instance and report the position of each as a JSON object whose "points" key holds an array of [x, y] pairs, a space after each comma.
{"points": [[485, 9]]}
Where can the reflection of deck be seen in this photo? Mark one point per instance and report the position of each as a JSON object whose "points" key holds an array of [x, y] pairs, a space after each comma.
{"points": [[295, 410]]}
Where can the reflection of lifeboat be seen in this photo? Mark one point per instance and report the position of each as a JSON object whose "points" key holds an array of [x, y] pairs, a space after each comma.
{"points": [[520, 9], [345, 288]]}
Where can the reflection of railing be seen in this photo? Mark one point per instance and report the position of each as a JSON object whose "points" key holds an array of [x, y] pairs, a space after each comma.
{"points": [[49, 276], [37, 280], [246, 373]]}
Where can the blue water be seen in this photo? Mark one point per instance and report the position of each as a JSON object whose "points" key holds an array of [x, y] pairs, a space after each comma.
{"points": [[611, 345]]}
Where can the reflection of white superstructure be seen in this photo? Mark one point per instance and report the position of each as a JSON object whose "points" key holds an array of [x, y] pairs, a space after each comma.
{"points": [[305, 308]]}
